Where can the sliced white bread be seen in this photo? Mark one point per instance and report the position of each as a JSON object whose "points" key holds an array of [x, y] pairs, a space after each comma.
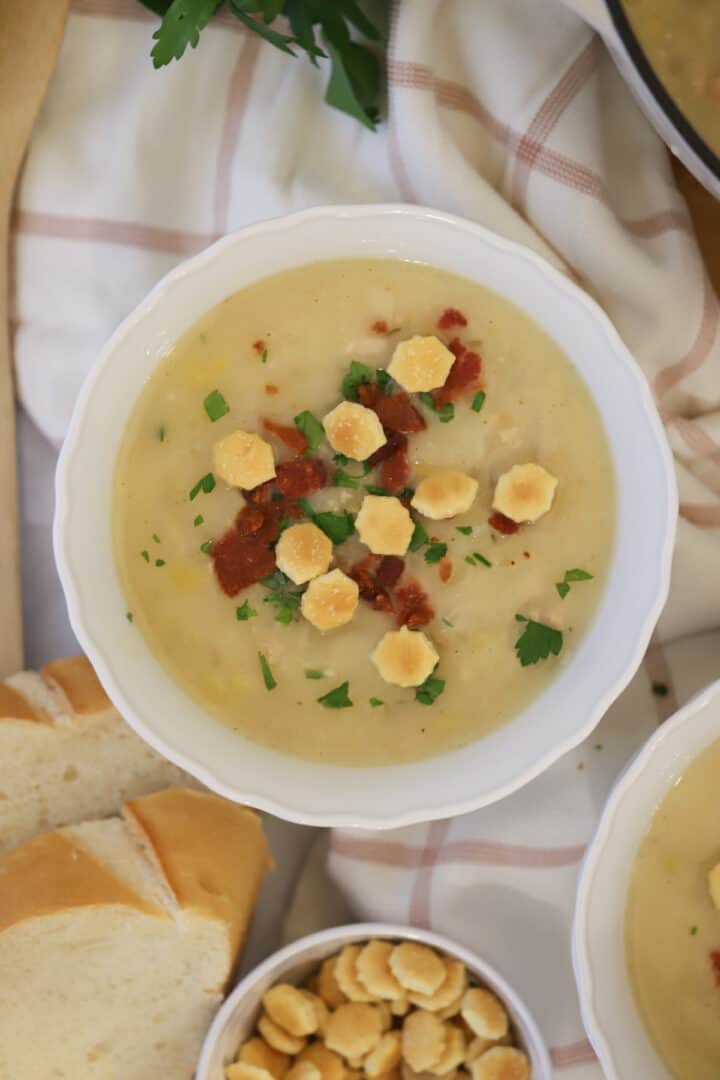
{"points": [[118, 937], [66, 754]]}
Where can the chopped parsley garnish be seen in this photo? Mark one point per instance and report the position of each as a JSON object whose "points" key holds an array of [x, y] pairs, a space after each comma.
{"points": [[464, 529], [146, 555], [309, 426], [267, 674], [563, 587], [481, 559], [419, 537], [375, 701], [342, 478], [156, 538], [337, 698], [159, 562], [198, 520], [281, 596], [215, 405], [382, 378], [478, 401], [435, 552], [207, 547], [693, 931], [431, 689], [206, 483], [245, 612], [537, 641], [340, 459], [313, 673], [448, 623], [337, 527], [358, 375], [444, 414], [469, 560], [161, 433], [263, 358], [660, 688], [406, 494], [374, 489], [129, 616]]}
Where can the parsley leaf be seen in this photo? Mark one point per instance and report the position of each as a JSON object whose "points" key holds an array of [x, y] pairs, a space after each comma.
{"points": [[161, 433], [159, 562], [129, 616], [464, 529], [563, 587], [354, 84], [445, 413], [375, 489], [199, 519], [435, 552], [313, 673], [281, 596], [430, 690], [537, 641], [245, 612], [207, 547], [145, 555], [206, 483], [156, 538], [337, 698], [267, 674], [383, 379], [181, 26], [478, 401], [419, 537], [341, 459], [309, 426], [481, 559], [375, 701], [358, 375], [240, 8], [337, 527], [342, 478], [215, 405]]}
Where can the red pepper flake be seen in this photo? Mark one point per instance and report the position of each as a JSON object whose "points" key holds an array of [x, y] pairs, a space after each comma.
{"points": [[379, 327], [412, 606], [445, 569], [301, 477], [451, 317], [715, 962], [464, 375], [389, 571], [526, 554], [240, 561], [271, 389], [290, 436], [259, 346], [397, 413], [502, 524]]}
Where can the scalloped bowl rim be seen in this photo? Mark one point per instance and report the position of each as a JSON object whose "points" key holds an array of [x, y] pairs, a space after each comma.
{"points": [[267, 786]]}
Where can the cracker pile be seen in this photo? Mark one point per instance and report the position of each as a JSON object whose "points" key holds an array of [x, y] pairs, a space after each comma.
{"points": [[384, 1011]]}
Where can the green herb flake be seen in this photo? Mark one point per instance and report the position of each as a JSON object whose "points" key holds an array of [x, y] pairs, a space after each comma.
{"points": [[267, 674], [159, 562], [430, 690], [337, 698], [207, 547], [478, 401], [563, 587], [129, 616], [445, 413], [156, 538], [406, 494], [419, 537], [161, 433], [481, 559], [358, 375], [450, 624], [245, 612], [199, 520], [313, 673], [206, 483], [469, 560], [146, 555], [263, 358], [376, 701], [281, 596], [340, 459], [309, 426], [382, 378], [215, 405], [435, 552], [342, 478], [466, 530], [537, 641], [374, 489], [661, 689], [337, 527], [693, 931]]}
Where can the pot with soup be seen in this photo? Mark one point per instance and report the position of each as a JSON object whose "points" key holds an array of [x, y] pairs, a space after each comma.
{"points": [[363, 511]]}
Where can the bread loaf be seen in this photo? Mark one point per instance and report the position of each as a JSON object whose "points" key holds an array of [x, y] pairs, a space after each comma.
{"points": [[118, 937], [66, 754]]}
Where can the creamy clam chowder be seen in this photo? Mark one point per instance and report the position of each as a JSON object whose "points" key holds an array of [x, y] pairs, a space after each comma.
{"points": [[673, 923], [363, 511]]}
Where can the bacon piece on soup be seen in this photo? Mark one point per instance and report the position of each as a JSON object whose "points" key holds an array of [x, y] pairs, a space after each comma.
{"points": [[301, 477], [503, 524], [240, 561], [398, 414], [464, 374], [290, 436], [412, 606], [451, 317]]}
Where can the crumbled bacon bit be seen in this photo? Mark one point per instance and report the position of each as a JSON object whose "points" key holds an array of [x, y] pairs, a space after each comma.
{"points": [[445, 569], [271, 389], [397, 413], [290, 436], [502, 524], [464, 375], [451, 317], [389, 571], [412, 606], [715, 961], [379, 327], [526, 554], [259, 346], [396, 468], [301, 477], [250, 520], [369, 394], [262, 493], [240, 561]]}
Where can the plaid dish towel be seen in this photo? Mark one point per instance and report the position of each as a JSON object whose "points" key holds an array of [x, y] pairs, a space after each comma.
{"points": [[509, 112]]}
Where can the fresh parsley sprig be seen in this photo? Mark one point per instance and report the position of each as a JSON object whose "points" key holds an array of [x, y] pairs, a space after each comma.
{"points": [[563, 587], [537, 641]]}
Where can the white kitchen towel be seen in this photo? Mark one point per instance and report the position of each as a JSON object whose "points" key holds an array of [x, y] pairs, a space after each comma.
{"points": [[507, 111]]}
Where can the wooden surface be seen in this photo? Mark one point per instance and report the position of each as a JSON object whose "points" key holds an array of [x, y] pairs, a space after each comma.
{"points": [[30, 36], [705, 211]]}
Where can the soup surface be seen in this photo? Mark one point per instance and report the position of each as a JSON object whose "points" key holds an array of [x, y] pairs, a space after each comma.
{"points": [[681, 39], [673, 927], [283, 347]]}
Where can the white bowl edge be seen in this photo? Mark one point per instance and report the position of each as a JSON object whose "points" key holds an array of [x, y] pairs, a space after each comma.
{"points": [[373, 815]]}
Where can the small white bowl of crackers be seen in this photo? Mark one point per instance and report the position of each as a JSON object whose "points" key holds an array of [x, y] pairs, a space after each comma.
{"points": [[374, 1001]]}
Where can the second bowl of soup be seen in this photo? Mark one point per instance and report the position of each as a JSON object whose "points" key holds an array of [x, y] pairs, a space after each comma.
{"points": [[364, 515]]}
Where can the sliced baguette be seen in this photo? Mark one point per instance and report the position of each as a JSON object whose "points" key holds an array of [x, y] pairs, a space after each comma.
{"points": [[66, 754], [118, 937]]}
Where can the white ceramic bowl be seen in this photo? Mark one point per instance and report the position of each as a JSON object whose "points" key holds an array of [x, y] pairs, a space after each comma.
{"points": [[608, 1007], [464, 779], [234, 1021]]}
